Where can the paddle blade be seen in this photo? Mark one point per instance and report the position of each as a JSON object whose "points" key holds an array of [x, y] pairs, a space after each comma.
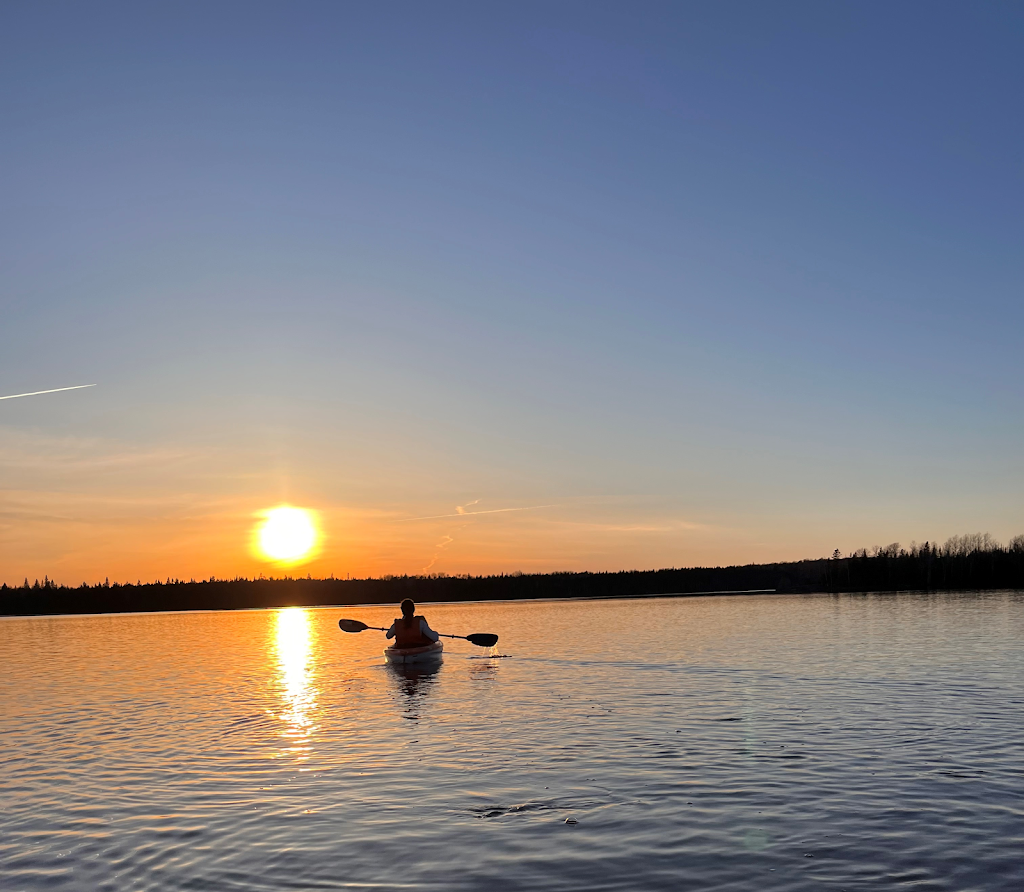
{"points": [[351, 625], [483, 639]]}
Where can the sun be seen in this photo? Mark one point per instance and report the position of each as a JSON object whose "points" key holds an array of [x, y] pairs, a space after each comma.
{"points": [[286, 535]]}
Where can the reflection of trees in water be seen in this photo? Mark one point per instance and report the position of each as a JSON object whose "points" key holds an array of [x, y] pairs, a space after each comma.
{"points": [[414, 683]]}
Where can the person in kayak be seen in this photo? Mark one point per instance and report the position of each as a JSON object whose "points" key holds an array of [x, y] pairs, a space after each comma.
{"points": [[410, 630]]}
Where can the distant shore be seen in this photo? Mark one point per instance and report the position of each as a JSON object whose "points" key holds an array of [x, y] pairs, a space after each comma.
{"points": [[956, 567]]}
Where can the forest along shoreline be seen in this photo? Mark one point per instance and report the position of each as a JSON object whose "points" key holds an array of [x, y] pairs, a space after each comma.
{"points": [[973, 562]]}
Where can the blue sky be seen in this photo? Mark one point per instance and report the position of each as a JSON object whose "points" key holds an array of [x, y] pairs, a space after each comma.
{"points": [[721, 282]]}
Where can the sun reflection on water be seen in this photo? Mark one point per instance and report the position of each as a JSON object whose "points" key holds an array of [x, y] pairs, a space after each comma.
{"points": [[293, 644]]}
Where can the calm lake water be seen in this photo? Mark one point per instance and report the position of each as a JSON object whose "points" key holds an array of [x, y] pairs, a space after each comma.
{"points": [[740, 743]]}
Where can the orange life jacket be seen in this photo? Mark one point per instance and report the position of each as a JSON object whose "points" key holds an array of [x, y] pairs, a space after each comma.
{"points": [[408, 634]]}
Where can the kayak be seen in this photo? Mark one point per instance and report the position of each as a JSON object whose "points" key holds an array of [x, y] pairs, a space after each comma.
{"points": [[423, 654]]}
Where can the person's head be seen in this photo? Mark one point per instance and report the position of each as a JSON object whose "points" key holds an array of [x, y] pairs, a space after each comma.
{"points": [[408, 608]]}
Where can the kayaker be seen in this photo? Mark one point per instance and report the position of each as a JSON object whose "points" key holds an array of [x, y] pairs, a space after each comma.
{"points": [[410, 630]]}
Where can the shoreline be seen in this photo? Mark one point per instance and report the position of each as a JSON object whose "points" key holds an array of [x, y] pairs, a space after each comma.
{"points": [[891, 569], [550, 600]]}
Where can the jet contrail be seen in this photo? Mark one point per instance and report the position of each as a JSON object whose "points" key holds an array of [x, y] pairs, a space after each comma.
{"points": [[472, 513], [15, 396]]}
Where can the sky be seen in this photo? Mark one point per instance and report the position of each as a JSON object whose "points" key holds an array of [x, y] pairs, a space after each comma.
{"points": [[681, 283]]}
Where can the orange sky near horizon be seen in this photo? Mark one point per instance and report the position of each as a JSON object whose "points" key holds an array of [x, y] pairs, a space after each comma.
{"points": [[83, 510]]}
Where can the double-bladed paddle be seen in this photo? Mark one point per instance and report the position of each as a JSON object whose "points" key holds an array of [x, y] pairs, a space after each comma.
{"points": [[481, 639]]}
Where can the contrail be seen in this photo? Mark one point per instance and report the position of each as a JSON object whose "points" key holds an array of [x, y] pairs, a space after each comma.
{"points": [[472, 513], [441, 546], [15, 396]]}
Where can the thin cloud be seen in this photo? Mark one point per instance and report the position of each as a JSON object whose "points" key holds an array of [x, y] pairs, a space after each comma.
{"points": [[38, 452], [668, 526], [15, 396], [441, 546], [635, 528], [474, 513]]}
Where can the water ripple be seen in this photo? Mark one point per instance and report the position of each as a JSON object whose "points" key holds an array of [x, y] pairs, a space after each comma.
{"points": [[264, 750]]}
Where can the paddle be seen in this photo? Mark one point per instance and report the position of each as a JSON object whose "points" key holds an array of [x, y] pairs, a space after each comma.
{"points": [[481, 639]]}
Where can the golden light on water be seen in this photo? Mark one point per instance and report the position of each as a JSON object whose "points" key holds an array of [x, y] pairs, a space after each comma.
{"points": [[294, 649], [286, 535]]}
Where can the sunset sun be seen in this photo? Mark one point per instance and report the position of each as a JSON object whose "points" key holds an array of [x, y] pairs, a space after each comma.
{"points": [[286, 534]]}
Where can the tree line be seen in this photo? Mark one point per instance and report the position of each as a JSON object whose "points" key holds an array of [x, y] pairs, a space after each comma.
{"points": [[971, 562]]}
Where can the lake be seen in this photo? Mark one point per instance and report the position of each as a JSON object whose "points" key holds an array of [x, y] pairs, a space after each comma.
{"points": [[801, 742]]}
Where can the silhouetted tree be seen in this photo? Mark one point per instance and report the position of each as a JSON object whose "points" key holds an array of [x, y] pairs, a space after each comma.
{"points": [[972, 561]]}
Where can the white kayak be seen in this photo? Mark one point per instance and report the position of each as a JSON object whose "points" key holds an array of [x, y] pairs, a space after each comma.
{"points": [[425, 654]]}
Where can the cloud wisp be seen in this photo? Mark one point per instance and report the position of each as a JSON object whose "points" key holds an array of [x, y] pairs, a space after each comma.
{"points": [[441, 546], [464, 513], [15, 396]]}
